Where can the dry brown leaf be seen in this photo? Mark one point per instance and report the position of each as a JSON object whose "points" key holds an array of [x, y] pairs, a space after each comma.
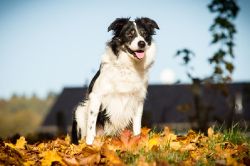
{"points": [[125, 137], [210, 132], [93, 159], [128, 141], [189, 147], [111, 156], [175, 145], [71, 161], [145, 131]]}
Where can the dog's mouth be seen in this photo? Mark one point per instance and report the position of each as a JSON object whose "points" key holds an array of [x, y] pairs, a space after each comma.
{"points": [[139, 54]]}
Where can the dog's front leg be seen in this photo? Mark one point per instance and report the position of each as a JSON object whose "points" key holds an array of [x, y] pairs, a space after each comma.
{"points": [[93, 109], [137, 119]]}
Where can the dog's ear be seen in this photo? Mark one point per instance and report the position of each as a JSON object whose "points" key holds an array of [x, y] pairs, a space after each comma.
{"points": [[149, 23], [117, 25]]}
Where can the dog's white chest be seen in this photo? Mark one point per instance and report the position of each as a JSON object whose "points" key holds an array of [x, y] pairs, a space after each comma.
{"points": [[123, 80]]}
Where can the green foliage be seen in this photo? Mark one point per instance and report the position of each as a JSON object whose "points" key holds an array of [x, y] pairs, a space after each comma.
{"points": [[223, 31], [23, 115], [186, 55]]}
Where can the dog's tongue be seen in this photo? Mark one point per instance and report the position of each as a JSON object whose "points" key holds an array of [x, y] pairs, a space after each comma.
{"points": [[139, 54]]}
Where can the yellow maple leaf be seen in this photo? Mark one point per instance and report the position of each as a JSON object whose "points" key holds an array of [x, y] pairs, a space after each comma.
{"points": [[41, 146], [153, 141], [49, 157], [29, 163], [10, 145], [20, 143]]}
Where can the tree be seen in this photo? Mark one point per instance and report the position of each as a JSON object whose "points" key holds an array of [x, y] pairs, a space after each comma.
{"points": [[223, 31]]}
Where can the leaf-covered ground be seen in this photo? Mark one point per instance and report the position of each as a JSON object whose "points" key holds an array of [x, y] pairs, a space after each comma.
{"points": [[150, 148]]}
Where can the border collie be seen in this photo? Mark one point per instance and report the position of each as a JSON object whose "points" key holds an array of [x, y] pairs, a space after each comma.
{"points": [[116, 94]]}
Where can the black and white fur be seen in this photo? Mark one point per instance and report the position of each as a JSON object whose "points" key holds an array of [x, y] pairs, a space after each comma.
{"points": [[116, 93]]}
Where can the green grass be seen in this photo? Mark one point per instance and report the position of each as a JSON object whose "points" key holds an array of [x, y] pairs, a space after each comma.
{"points": [[172, 157], [176, 157], [127, 157], [234, 135]]}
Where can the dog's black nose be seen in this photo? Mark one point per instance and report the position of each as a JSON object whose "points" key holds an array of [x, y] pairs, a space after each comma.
{"points": [[141, 44]]}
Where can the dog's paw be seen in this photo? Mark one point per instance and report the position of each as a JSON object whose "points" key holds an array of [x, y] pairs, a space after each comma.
{"points": [[90, 140], [137, 132]]}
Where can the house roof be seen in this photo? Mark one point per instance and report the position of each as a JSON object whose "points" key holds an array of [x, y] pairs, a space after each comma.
{"points": [[164, 103], [66, 102]]}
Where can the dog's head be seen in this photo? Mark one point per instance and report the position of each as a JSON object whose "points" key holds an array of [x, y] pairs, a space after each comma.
{"points": [[134, 37]]}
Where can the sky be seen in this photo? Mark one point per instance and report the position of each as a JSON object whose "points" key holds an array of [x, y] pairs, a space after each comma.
{"points": [[46, 45]]}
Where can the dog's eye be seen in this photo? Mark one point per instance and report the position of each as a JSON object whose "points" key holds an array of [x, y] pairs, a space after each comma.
{"points": [[131, 34]]}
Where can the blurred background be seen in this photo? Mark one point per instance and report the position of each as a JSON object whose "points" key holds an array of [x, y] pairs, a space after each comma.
{"points": [[50, 50]]}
